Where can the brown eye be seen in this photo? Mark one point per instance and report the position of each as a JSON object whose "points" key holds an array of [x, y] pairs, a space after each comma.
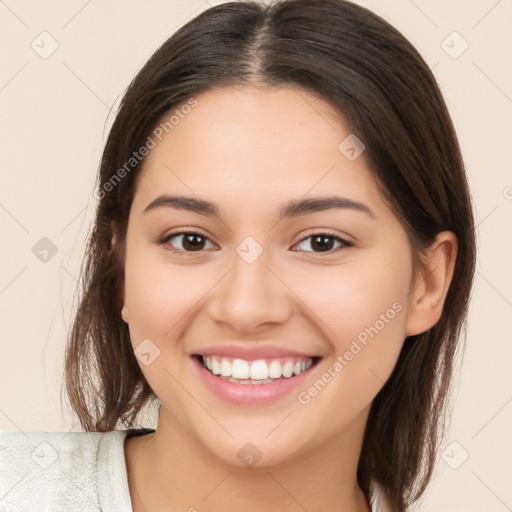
{"points": [[324, 242], [190, 241]]}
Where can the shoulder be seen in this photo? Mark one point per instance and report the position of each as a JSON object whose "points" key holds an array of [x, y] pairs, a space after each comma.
{"points": [[63, 471], [380, 501]]}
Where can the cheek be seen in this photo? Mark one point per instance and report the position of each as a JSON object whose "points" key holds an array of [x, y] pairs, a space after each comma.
{"points": [[353, 298], [158, 294], [365, 307], [160, 298]]}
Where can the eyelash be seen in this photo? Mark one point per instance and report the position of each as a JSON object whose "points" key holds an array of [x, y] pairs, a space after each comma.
{"points": [[342, 241]]}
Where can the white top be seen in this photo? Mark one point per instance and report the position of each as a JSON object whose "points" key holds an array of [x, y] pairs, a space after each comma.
{"points": [[67, 471]]}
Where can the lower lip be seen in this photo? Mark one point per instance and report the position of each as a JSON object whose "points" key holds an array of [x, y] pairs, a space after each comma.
{"points": [[250, 394]]}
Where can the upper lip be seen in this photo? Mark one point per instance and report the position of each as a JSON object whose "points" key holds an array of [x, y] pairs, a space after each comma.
{"points": [[250, 352]]}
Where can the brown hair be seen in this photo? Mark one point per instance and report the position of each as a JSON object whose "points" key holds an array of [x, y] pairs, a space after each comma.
{"points": [[368, 71]]}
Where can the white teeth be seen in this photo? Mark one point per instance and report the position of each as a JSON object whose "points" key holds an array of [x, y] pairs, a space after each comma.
{"points": [[240, 369], [225, 368], [274, 370], [254, 372], [214, 366], [287, 369], [259, 370]]}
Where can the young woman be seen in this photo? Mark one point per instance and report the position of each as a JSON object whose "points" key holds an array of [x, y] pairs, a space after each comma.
{"points": [[281, 259]]}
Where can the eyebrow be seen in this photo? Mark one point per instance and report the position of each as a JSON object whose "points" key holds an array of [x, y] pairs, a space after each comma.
{"points": [[293, 208]]}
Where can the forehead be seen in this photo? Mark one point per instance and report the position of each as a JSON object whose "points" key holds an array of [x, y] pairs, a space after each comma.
{"points": [[253, 146]]}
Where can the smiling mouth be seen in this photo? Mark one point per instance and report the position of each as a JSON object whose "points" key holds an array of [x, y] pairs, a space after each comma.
{"points": [[259, 371]]}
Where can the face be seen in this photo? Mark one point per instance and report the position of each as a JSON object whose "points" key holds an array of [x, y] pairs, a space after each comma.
{"points": [[297, 304]]}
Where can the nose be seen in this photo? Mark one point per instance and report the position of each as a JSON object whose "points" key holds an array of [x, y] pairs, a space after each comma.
{"points": [[251, 295]]}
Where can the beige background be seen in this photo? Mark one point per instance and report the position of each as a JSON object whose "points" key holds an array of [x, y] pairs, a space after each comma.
{"points": [[54, 119]]}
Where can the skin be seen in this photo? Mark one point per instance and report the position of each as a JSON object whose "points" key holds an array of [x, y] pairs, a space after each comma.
{"points": [[250, 150]]}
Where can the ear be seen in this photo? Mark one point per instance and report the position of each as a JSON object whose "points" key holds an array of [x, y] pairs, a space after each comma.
{"points": [[124, 314], [430, 288], [113, 228]]}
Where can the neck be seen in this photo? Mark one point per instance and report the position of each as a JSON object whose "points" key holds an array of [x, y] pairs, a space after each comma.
{"points": [[172, 470]]}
